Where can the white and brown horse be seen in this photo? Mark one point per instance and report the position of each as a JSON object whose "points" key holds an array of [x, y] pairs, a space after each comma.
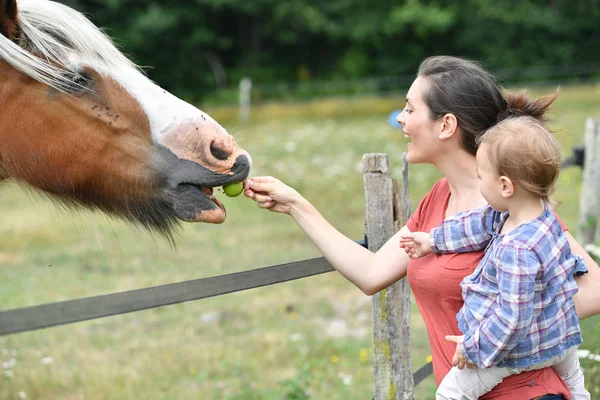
{"points": [[79, 121]]}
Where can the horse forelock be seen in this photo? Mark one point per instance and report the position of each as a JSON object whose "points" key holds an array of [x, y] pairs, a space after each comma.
{"points": [[54, 38]]}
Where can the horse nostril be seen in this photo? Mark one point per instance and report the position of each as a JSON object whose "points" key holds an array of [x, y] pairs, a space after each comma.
{"points": [[217, 153]]}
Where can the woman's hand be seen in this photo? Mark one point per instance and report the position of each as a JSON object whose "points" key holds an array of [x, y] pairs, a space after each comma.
{"points": [[458, 360], [587, 299], [271, 193]]}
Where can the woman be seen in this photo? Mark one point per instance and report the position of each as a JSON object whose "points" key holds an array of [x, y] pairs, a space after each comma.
{"points": [[449, 105]]}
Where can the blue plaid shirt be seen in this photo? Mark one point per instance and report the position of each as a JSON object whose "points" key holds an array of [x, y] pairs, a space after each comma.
{"points": [[518, 308]]}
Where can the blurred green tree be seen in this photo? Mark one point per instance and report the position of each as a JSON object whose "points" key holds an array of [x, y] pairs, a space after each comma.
{"points": [[196, 47]]}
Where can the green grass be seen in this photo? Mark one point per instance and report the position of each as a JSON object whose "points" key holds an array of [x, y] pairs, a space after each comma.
{"points": [[269, 343]]}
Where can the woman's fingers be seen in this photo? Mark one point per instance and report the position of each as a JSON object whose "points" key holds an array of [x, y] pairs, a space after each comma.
{"points": [[265, 184], [455, 360], [454, 338], [262, 179], [265, 187], [270, 193], [267, 204], [262, 198]]}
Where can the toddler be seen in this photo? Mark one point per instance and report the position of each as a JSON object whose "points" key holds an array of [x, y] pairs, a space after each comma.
{"points": [[518, 312]]}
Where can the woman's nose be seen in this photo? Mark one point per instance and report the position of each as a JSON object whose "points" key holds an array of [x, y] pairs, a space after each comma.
{"points": [[400, 118]]}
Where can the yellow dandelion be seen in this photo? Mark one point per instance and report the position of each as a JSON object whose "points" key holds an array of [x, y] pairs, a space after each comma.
{"points": [[334, 359], [596, 389], [294, 315], [363, 355], [193, 371], [428, 358]]}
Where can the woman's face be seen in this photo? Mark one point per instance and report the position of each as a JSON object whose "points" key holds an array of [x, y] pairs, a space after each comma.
{"points": [[418, 126]]}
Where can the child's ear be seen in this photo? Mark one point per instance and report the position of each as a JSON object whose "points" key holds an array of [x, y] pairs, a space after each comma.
{"points": [[508, 187]]}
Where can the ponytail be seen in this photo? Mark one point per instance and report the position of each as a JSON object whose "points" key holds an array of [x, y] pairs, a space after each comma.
{"points": [[519, 104]]}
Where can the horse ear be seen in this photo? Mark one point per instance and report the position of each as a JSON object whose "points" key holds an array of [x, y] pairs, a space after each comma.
{"points": [[8, 18]]}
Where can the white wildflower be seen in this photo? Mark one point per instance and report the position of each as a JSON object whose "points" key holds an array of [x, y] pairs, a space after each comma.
{"points": [[346, 378], [22, 395], [47, 360], [583, 353], [593, 250], [294, 337], [290, 147]]}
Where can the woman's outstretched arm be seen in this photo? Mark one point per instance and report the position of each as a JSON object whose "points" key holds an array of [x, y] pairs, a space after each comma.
{"points": [[587, 300], [370, 272]]}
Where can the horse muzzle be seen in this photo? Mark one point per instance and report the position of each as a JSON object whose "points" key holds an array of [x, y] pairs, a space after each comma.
{"points": [[190, 187]]}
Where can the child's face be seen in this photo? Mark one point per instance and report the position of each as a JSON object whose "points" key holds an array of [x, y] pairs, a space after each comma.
{"points": [[490, 184]]}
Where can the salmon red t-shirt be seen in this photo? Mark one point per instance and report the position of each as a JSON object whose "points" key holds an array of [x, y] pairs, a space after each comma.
{"points": [[435, 283]]}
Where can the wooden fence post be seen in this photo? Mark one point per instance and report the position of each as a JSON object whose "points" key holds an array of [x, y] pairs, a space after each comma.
{"points": [[245, 98], [386, 212], [590, 193]]}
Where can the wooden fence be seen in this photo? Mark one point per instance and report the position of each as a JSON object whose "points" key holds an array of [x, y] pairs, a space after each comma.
{"points": [[387, 209], [587, 157], [590, 189]]}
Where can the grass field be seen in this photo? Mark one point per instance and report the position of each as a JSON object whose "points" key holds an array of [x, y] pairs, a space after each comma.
{"points": [[309, 338]]}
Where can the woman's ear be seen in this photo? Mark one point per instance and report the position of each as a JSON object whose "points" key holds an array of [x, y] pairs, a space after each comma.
{"points": [[449, 126], [508, 187], [8, 18]]}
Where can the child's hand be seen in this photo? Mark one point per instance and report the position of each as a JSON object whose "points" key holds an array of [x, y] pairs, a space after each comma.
{"points": [[459, 361], [416, 244]]}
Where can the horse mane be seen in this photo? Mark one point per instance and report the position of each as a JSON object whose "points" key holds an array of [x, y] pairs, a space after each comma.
{"points": [[54, 41]]}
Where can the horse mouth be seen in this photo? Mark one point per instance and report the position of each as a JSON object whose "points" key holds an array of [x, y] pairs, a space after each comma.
{"points": [[195, 203], [209, 191]]}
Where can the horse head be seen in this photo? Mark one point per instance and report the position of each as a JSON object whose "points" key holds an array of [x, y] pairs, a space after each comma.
{"points": [[81, 122]]}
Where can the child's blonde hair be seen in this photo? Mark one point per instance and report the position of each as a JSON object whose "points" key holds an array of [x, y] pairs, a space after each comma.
{"points": [[524, 150]]}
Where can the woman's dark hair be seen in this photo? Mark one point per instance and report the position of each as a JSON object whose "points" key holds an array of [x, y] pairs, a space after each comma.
{"points": [[465, 89]]}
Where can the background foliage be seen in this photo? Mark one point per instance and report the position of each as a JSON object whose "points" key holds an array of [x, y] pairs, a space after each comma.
{"points": [[197, 47]]}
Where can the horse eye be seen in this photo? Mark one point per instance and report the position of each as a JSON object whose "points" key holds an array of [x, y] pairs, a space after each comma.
{"points": [[81, 80]]}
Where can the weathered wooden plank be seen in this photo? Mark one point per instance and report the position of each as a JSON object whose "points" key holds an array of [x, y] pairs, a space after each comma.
{"points": [[590, 191], [70, 311], [386, 211]]}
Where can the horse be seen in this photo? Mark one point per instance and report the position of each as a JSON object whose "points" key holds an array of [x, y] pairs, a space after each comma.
{"points": [[82, 123]]}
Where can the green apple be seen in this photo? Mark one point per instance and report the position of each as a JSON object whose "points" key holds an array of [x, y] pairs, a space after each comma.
{"points": [[233, 189]]}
